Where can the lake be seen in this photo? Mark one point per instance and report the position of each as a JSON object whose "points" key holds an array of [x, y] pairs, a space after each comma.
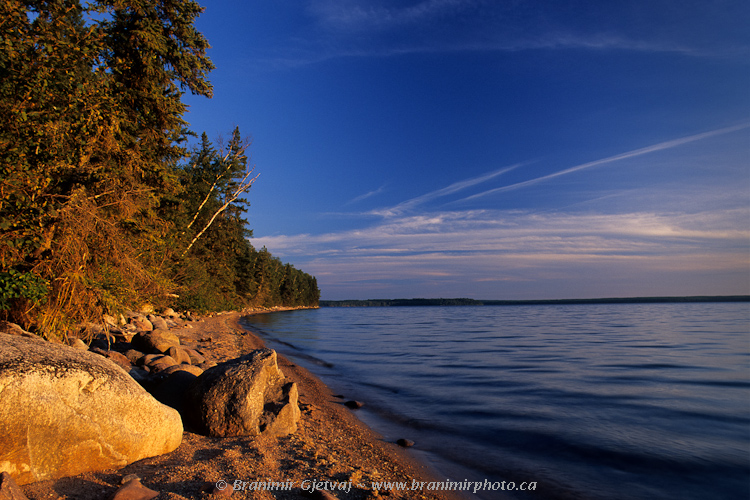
{"points": [[594, 401]]}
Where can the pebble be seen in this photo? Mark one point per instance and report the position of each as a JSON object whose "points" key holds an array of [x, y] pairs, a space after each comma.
{"points": [[134, 490], [322, 495], [354, 405], [128, 478], [221, 493], [9, 489], [79, 344]]}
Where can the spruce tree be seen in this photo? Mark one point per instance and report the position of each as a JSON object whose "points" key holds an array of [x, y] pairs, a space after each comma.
{"points": [[90, 125]]}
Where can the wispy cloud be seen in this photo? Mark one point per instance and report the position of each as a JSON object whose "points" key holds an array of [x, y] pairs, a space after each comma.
{"points": [[353, 15], [603, 42], [465, 247], [448, 190], [366, 29], [611, 159], [502, 231], [369, 194], [316, 51]]}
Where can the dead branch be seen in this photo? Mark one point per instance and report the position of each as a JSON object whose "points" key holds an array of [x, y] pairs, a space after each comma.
{"points": [[243, 186], [216, 182]]}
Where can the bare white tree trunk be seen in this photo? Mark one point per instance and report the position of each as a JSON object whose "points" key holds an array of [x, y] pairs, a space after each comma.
{"points": [[244, 185], [208, 196]]}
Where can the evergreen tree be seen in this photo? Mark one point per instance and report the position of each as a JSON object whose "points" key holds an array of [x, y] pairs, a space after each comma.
{"points": [[89, 118], [154, 53], [96, 212]]}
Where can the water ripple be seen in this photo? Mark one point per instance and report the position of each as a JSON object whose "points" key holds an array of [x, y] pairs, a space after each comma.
{"points": [[600, 401]]}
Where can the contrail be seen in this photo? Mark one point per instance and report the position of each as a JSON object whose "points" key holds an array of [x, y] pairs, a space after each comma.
{"points": [[453, 188], [366, 195], [630, 154]]}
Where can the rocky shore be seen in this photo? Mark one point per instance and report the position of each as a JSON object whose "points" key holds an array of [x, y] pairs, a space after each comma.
{"points": [[301, 441]]}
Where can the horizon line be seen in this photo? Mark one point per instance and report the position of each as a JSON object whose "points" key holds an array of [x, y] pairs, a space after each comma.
{"points": [[657, 298]]}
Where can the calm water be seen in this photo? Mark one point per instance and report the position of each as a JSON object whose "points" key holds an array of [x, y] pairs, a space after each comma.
{"points": [[590, 401]]}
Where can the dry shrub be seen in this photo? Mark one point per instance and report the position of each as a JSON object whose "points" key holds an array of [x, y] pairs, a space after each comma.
{"points": [[97, 262]]}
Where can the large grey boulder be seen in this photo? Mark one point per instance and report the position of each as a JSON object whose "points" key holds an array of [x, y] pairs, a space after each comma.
{"points": [[244, 396], [64, 412]]}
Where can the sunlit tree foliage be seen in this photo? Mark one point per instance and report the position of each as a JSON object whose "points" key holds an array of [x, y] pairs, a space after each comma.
{"points": [[97, 209]]}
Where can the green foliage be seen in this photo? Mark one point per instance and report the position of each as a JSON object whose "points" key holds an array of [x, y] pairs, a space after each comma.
{"points": [[18, 286], [95, 208], [223, 270]]}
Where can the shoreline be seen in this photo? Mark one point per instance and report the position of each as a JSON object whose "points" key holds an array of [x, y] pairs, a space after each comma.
{"points": [[312, 387], [331, 444]]}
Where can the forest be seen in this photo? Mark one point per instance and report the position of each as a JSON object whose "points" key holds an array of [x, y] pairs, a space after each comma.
{"points": [[104, 206]]}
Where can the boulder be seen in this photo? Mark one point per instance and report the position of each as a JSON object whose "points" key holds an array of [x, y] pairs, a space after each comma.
{"points": [[78, 344], [9, 490], [148, 359], [196, 358], [64, 412], [142, 324], [119, 334], [157, 340], [133, 356], [245, 396], [171, 323], [206, 365], [281, 412], [161, 359], [169, 312], [179, 354], [134, 490], [128, 331], [115, 356], [158, 367], [140, 375], [14, 329], [161, 363], [158, 322], [184, 368]]}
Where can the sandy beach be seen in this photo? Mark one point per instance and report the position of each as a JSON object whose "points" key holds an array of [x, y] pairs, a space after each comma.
{"points": [[331, 445]]}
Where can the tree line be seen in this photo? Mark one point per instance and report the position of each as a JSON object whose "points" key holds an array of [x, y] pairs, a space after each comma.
{"points": [[102, 204], [531, 302], [400, 302]]}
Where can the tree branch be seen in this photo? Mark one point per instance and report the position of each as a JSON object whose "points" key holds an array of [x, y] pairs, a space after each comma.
{"points": [[208, 195], [244, 185]]}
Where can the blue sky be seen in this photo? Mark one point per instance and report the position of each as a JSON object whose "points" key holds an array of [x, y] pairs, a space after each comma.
{"points": [[486, 149]]}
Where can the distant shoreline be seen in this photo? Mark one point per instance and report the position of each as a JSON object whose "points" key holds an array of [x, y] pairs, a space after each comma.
{"points": [[533, 302]]}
